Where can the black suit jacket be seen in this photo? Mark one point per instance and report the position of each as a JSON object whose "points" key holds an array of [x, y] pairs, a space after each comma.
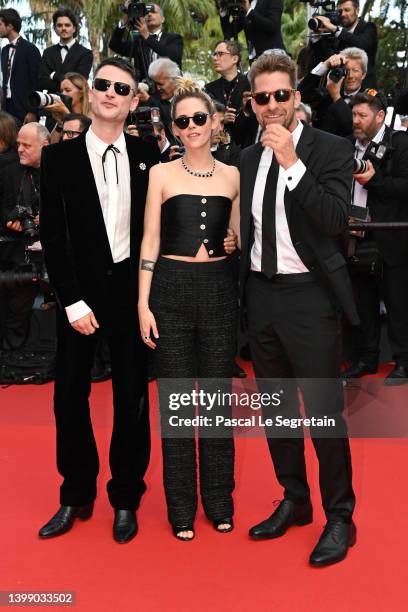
{"points": [[317, 210], [387, 199], [24, 74], [262, 26], [217, 90], [78, 59], [170, 45], [73, 234]]}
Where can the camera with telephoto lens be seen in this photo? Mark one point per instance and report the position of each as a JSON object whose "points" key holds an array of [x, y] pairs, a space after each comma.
{"points": [[232, 9], [136, 10], [26, 215], [359, 166], [23, 275], [144, 119], [323, 8], [39, 99]]}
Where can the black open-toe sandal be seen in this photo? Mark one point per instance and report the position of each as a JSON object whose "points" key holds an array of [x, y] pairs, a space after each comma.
{"points": [[178, 530], [225, 521]]}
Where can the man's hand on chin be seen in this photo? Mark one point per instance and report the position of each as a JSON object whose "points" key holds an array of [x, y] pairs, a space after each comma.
{"points": [[280, 140]]}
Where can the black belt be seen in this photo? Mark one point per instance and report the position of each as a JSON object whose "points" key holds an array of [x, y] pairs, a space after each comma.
{"points": [[300, 277]]}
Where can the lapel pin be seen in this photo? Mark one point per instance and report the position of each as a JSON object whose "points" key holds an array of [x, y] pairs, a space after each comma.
{"points": [[142, 166]]}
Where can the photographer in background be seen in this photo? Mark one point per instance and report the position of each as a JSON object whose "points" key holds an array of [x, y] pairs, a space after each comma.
{"points": [[20, 61], [143, 39], [350, 31], [381, 187], [19, 227], [66, 56], [330, 86], [260, 19], [228, 89]]}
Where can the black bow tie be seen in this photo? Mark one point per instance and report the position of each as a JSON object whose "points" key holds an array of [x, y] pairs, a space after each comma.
{"points": [[63, 47], [114, 150]]}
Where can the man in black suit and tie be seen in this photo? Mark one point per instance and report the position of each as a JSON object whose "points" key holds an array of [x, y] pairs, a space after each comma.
{"points": [[148, 42], [295, 195], [67, 56], [20, 61], [93, 191], [261, 21]]}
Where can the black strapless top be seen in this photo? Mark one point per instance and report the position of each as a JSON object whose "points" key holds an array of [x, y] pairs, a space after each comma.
{"points": [[188, 221]]}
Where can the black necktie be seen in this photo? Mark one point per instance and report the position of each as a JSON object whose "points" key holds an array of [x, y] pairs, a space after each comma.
{"points": [[152, 37], [114, 150], [269, 255]]}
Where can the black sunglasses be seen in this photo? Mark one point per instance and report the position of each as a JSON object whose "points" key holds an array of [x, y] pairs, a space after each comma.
{"points": [[70, 133], [183, 121], [122, 89], [280, 95]]}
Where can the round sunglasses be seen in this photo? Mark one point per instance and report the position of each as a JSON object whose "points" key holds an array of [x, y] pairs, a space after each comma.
{"points": [[122, 89], [183, 121], [280, 95]]}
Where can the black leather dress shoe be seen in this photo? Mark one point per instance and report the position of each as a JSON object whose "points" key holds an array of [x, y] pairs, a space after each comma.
{"points": [[124, 526], [359, 369], [397, 376], [286, 514], [237, 371], [333, 544], [63, 520]]}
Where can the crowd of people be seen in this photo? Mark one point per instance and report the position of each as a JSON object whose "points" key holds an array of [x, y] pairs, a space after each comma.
{"points": [[185, 209]]}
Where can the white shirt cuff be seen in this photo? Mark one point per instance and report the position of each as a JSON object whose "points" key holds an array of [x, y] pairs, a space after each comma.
{"points": [[320, 70], [249, 11], [77, 311], [293, 174], [337, 34], [52, 75]]}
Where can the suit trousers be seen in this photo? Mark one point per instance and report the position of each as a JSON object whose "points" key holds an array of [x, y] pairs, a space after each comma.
{"points": [[294, 332], [195, 306], [77, 455]]}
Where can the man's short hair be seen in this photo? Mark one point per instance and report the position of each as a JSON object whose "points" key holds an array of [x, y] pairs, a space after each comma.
{"points": [[160, 9], [166, 65], [376, 100], [42, 132], [233, 47], [64, 11], [273, 62], [84, 121], [11, 17], [306, 109], [117, 62], [355, 3], [219, 107], [354, 53]]}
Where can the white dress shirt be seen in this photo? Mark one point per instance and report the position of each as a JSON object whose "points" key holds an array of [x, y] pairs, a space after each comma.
{"points": [[11, 54], [359, 193], [288, 261], [114, 197], [64, 52]]}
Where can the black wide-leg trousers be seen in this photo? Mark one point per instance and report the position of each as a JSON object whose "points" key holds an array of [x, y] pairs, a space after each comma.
{"points": [[195, 307], [294, 333], [77, 455]]}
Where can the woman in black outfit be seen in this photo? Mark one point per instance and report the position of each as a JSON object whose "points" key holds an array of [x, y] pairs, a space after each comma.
{"points": [[187, 303]]}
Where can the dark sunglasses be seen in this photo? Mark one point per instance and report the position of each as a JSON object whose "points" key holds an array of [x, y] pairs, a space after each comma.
{"points": [[122, 89], [183, 121], [70, 133], [280, 95]]}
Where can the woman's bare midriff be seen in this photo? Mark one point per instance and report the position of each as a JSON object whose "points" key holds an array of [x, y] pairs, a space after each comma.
{"points": [[201, 257]]}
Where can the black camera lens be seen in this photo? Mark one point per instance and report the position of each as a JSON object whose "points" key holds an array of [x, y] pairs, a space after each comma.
{"points": [[336, 74], [359, 166]]}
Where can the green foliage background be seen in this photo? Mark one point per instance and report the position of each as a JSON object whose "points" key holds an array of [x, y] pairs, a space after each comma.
{"points": [[100, 17]]}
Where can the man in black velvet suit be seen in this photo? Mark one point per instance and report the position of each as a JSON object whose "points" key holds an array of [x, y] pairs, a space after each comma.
{"points": [[20, 61], [67, 56], [261, 21], [93, 191], [295, 196]]}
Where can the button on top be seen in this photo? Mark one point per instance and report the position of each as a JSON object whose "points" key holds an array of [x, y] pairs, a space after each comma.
{"points": [[203, 200], [205, 240], [202, 226], [203, 214], [211, 252]]}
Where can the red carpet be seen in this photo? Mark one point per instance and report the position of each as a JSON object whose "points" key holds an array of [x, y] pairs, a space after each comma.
{"points": [[215, 572]]}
